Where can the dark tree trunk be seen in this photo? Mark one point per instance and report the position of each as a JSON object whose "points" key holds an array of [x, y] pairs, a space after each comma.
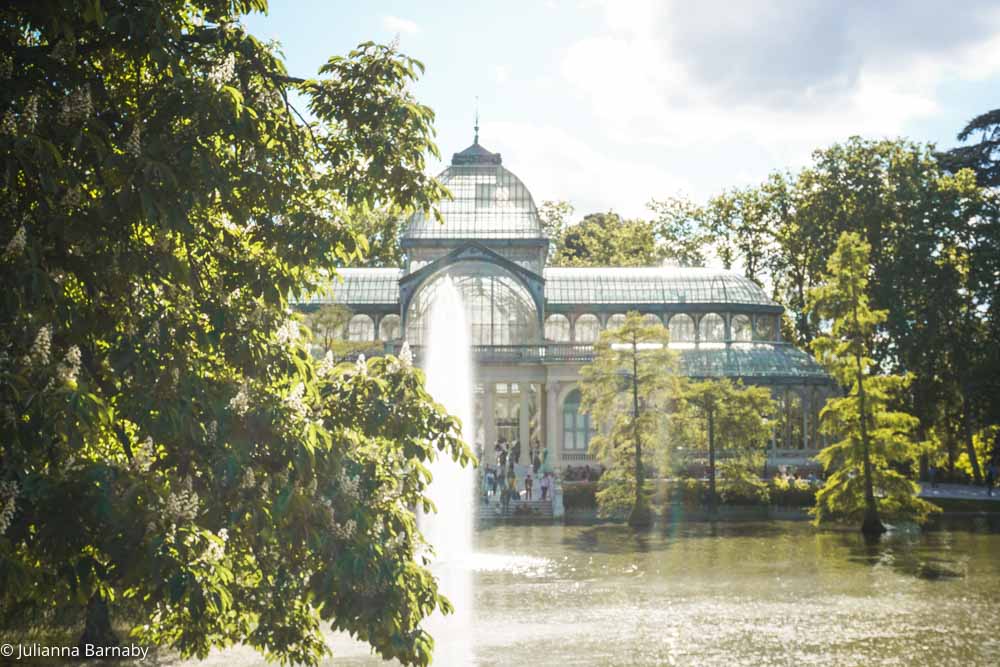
{"points": [[97, 630], [641, 516], [713, 500], [970, 447], [872, 524]]}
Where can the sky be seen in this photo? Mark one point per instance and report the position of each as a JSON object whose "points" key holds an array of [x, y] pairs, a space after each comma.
{"points": [[610, 103]]}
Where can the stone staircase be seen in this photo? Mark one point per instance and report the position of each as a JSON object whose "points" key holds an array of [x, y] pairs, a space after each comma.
{"points": [[534, 510], [523, 510]]}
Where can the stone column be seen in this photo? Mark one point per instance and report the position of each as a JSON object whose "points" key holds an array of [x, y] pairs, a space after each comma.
{"points": [[552, 424], [524, 423], [489, 422]]}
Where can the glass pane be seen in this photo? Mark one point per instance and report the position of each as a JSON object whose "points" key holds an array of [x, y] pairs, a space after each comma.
{"points": [[557, 328], [681, 329], [742, 331], [361, 328], [712, 329], [389, 328], [588, 328]]}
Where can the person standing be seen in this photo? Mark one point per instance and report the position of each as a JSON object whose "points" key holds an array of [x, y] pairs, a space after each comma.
{"points": [[544, 484], [991, 477], [528, 482], [491, 482]]}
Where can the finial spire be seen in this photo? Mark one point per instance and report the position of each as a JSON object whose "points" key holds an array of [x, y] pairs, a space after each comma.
{"points": [[475, 139]]}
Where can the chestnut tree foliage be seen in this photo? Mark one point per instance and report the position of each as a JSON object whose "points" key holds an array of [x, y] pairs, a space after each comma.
{"points": [[169, 451]]}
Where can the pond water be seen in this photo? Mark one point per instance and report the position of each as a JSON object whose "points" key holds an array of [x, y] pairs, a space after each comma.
{"points": [[729, 593]]}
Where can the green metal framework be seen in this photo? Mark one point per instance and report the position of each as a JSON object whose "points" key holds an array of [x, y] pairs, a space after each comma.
{"points": [[666, 285], [488, 202]]}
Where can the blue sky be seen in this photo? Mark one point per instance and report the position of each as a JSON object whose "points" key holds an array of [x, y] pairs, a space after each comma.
{"points": [[607, 104]]}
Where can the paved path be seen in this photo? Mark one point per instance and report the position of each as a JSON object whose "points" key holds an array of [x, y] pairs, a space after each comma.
{"points": [[958, 491]]}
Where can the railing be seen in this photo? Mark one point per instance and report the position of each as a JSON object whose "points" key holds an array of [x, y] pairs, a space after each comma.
{"points": [[577, 457], [551, 352]]}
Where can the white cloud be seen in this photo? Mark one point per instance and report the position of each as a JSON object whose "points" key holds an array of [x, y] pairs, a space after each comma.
{"points": [[769, 84], [556, 164], [399, 25]]}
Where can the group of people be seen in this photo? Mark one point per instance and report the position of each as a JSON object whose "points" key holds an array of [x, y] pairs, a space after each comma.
{"points": [[501, 483]]}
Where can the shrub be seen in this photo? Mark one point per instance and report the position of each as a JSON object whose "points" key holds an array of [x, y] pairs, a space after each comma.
{"points": [[579, 496]]}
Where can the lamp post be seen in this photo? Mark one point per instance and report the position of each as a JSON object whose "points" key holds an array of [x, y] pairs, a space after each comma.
{"points": [[638, 516]]}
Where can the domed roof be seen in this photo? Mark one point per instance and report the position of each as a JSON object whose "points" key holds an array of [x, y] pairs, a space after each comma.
{"points": [[488, 202]]}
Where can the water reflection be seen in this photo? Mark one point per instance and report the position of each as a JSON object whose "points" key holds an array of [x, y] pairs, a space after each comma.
{"points": [[764, 593]]}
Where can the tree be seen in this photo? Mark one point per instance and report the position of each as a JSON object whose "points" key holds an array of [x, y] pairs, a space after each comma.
{"points": [[175, 459], [934, 261], [874, 439], [607, 239], [680, 230], [381, 229], [554, 217], [625, 390], [982, 157], [733, 419], [327, 324]]}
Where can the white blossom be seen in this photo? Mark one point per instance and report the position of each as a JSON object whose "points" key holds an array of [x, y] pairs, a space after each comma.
{"points": [[249, 480], [222, 73], [42, 347], [134, 143], [214, 551], [212, 432], [295, 401], [361, 365], [182, 506], [9, 124], [349, 486], [142, 455], [77, 106], [31, 112], [69, 369], [16, 244], [327, 365], [9, 491], [406, 355], [288, 332], [240, 403], [344, 531], [6, 67]]}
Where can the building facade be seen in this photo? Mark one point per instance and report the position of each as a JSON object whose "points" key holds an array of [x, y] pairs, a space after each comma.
{"points": [[533, 326]]}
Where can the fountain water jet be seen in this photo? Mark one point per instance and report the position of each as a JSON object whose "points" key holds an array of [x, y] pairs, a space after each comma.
{"points": [[449, 380]]}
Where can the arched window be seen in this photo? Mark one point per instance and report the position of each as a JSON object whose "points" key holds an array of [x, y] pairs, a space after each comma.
{"points": [[557, 328], [389, 328], [361, 328], [712, 329], [498, 308], [587, 329], [576, 426], [742, 330], [681, 329], [765, 327], [650, 319], [615, 321]]}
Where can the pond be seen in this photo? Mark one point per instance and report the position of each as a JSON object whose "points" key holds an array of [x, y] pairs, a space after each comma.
{"points": [[729, 593]]}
